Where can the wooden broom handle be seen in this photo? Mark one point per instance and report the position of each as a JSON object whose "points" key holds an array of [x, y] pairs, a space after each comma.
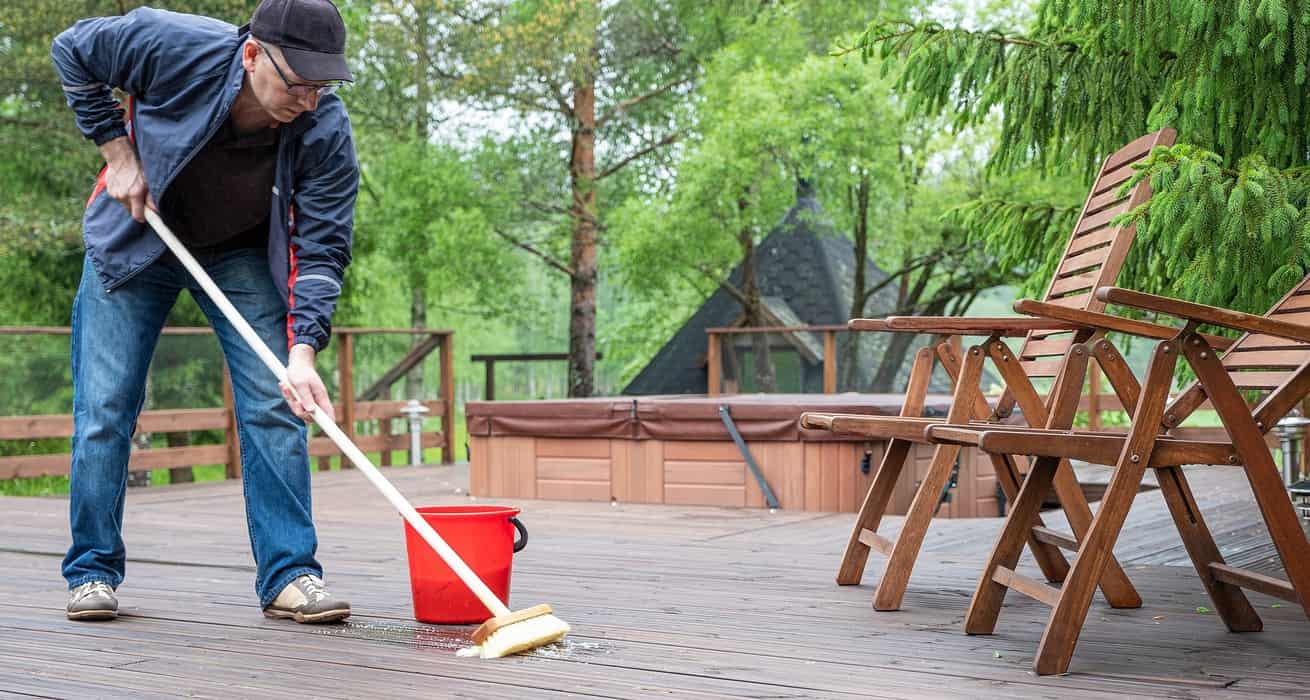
{"points": [[358, 458]]}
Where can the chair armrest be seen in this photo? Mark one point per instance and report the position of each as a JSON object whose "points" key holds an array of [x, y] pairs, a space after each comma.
{"points": [[951, 325], [868, 324], [1104, 321], [1201, 313]]}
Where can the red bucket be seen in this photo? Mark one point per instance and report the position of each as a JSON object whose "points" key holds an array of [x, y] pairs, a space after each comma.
{"points": [[483, 536]]}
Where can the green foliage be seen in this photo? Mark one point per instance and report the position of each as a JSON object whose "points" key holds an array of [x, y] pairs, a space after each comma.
{"points": [[762, 128], [1027, 236], [772, 109], [422, 210], [35, 486], [48, 169], [1222, 224], [1091, 75]]}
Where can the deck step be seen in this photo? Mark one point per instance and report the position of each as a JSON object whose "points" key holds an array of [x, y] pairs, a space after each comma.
{"points": [[1028, 586], [877, 542]]}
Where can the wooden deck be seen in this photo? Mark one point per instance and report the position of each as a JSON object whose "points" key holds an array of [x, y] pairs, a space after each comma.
{"points": [[665, 602]]}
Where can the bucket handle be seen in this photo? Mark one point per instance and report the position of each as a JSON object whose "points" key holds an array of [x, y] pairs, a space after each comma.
{"points": [[522, 541]]}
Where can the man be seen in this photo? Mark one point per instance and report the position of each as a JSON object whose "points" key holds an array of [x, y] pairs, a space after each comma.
{"points": [[237, 137]]}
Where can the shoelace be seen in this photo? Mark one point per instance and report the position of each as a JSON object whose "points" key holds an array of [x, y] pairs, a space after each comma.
{"points": [[313, 589], [93, 588]]}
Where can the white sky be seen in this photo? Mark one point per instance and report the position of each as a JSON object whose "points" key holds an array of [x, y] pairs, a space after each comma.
{"points": [[467, 125]]}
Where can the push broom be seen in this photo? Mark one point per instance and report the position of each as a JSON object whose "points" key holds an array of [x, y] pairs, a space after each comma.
{"points": [[507, 632]]}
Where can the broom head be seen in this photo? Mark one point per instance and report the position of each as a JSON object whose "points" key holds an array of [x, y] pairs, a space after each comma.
{"points": [[518, 631]]}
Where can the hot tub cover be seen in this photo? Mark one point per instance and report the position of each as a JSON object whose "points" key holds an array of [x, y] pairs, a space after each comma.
{"points": [[757, 416]]}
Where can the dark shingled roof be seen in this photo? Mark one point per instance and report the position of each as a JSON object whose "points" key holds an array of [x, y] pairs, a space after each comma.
{"points": [[803, 263]]}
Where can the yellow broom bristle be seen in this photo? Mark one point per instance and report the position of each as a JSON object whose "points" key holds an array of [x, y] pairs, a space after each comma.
{"points": [[514, 636], [525, 635], [515, 632]]}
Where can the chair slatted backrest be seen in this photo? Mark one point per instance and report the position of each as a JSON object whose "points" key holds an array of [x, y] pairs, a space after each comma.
{"points": [[1261, 364], [1095, 252]]}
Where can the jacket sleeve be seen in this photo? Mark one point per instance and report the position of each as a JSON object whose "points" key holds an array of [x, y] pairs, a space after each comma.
{"points": [[328, 181], [96, 55]]}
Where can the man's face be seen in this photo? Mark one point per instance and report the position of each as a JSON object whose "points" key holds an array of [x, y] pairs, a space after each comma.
{"points": [[263, 63]]}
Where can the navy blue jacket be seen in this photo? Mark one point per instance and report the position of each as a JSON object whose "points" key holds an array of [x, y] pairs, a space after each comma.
{"points": [[183, 73]]}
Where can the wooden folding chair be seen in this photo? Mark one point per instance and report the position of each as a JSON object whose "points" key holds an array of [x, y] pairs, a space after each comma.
{"points": [[1271, 361], [1092, 257]]}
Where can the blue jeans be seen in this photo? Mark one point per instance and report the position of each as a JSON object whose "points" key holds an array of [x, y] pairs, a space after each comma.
{"points": [[114, 337]]}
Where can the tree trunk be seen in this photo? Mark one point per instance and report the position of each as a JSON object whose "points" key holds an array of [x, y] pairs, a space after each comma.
{"points": [[582, 303], [179, 475], [892, 358], [418, 301], [765, 380], [899, 344], [418, 319], [859, 204]]}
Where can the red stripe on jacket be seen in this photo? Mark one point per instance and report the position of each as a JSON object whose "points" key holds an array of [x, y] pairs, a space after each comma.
{"points": [[291, 278]]}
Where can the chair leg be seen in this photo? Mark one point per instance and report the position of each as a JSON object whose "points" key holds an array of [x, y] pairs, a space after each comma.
{"points": [[1279, 515], [1096, 549], [985, 606], [1266, 483], [896, 576], [1119, 591], [1275, 506], [1228, 599], [1284, 526], [1070, 612], [1050, 559], [856, 556], [900, 562]]}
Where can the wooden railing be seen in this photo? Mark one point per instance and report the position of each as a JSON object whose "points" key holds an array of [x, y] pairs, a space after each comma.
{"points": [[349, 409], [714, 353], [489, 361]]}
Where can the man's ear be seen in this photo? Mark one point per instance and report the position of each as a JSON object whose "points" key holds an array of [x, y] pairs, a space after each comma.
{"points": [[249, 52]]}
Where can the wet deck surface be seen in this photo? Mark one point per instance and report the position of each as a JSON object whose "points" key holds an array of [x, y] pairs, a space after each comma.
{"points": [[664, 601]]}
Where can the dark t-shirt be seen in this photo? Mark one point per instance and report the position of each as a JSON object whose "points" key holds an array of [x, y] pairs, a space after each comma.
{"points": [[222, 198]]}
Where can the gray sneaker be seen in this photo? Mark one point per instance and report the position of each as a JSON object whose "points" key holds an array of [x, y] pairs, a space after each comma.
{"points": [[306, 600], [92, 601]]}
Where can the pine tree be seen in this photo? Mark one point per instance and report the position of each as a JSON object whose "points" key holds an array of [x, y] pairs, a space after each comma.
{"points": [[1229, 223]]}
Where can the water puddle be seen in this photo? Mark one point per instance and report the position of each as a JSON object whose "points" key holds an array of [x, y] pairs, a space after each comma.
{"points": [[449, 639], [569, 649], [419, 636]]}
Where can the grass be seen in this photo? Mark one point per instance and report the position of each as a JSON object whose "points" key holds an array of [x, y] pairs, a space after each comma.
{"points": [[35, 486], [58, 485]]}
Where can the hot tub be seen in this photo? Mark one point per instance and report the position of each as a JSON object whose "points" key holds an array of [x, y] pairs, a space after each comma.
{"points": [[676, 450]]}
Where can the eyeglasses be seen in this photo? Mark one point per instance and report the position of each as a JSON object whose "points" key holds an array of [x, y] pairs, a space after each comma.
{"points": [[299, 89]]}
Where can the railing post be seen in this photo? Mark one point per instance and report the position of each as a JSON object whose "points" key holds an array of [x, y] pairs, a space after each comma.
{"points": [[489, 393], [447, 360], [384, 430], [233, 467], [829, 362], [713, 365], [346, 382]]}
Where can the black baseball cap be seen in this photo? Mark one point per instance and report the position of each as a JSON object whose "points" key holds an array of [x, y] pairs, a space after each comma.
{"points": [[310, 33]]}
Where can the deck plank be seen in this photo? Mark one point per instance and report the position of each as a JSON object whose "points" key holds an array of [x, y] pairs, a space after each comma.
{"points": [[690, 602]]}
